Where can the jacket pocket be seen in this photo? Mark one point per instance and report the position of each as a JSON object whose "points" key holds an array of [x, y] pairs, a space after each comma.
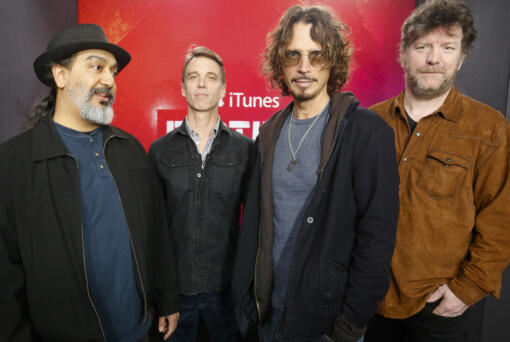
{"points": [[443, 174]]}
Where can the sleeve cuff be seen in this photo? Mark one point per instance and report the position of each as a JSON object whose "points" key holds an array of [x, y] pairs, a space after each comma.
{"points": [[466, 290]]}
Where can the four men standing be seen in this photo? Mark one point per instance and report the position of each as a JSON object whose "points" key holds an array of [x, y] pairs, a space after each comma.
{"points": [[85, 235]]}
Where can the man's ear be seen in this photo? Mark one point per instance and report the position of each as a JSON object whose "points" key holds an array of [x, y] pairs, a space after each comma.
{"points": [[59, 75], [462, 59], [183, 89], [401, 58], [223, 90]]}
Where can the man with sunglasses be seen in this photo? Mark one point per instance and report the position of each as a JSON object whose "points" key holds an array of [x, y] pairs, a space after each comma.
{"points": [[319, 226]]}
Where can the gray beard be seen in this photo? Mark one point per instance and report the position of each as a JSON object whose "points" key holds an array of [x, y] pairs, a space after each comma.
{"points": [[100, 115]]}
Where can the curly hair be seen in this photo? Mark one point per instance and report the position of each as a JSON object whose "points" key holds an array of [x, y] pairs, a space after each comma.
{"points": [[329, 32], [45, 105], [436, 13]]}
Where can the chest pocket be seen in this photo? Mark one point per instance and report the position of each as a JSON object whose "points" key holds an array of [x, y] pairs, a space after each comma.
{"points": [[443, 174], [175, 172], [227, 171]]}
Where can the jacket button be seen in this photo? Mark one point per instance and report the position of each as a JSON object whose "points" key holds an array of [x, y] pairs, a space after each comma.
{"points": [[325, 307], [405, 160], [309, 219], [199, 175], [418, 134]]}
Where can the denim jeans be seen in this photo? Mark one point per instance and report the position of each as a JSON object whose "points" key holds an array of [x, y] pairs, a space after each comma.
{"points": [[266, 331], [216, 309]]}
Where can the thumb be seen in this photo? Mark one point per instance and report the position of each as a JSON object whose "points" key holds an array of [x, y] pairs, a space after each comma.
{"points": [[436, 295], [162, 324]]}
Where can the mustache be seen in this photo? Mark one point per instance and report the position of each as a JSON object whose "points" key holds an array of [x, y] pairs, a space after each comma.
{"points": [[431, 69], [103, 91], [303, 78]]}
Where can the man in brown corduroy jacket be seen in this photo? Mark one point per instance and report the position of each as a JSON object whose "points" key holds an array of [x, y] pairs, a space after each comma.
{"points": [[453, 236]]}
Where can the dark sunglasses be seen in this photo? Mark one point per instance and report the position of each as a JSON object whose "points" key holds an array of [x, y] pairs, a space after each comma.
{"points": [[316, 57]]}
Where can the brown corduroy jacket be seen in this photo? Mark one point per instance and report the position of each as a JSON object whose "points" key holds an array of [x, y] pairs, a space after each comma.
{"points": [[454, 221]]}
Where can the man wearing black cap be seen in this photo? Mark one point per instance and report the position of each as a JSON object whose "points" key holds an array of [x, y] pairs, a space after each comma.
{"points": [[84, 248]]}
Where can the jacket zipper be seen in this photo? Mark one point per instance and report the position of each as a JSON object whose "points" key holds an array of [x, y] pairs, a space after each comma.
{"points": [[255, 280], [130, 238], [85, 266]]}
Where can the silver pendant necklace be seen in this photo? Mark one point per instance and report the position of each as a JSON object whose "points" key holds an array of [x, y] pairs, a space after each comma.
{"points": [[294, 161]]}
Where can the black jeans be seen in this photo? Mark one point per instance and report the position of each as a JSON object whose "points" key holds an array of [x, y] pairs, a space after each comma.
{"points": [[422, 327], [216, 308]]}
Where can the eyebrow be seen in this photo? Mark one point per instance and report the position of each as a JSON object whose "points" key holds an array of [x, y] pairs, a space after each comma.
{"points": [[196, 72], [102, 59]]}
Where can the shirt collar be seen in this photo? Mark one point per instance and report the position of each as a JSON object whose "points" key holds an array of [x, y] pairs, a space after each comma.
{"points": [[450, 110], [195, 135]]}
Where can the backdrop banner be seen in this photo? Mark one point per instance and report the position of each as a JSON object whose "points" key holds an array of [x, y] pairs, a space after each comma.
{"points": [[158, 33]]}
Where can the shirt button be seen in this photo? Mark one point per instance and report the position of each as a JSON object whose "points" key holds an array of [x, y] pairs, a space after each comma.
{"points": [[97, 154], [405, 160], [199, 175], [418, 134], [309, 219], [101, 166], [91, 140]]}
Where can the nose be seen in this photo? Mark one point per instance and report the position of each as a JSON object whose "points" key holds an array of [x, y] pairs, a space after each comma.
{"points": [[433, 56], [201, 82], [304, 65], [107, 79]]}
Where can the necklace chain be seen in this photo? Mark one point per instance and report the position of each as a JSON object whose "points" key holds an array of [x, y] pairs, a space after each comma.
{"points": [[293, 162]]}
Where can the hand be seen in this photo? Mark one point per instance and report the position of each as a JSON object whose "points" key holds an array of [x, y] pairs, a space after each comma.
{"points": [[168, 324], [450, 306]]}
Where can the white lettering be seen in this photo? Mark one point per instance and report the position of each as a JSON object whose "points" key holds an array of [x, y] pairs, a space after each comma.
{"points": [[171, 125], [239, 125]]}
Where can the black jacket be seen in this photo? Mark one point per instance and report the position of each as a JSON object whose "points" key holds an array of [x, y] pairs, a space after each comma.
{"points": [[340, 265], [204, 203], [44, 293]]}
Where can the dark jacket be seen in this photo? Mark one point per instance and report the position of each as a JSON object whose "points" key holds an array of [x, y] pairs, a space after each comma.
{"points": [[204, 203], [44, 292], [340, 265]]}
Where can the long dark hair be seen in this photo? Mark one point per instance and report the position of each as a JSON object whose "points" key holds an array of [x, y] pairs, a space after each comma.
{"points": [[45, 105]]}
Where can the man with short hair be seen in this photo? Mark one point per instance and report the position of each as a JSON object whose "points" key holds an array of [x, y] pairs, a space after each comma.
{"points": [[84, 247], [319, 226], [453, 232], [204, 168]]}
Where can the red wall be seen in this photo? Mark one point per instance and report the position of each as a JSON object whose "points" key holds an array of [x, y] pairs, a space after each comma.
{"points": [[157, 33]]}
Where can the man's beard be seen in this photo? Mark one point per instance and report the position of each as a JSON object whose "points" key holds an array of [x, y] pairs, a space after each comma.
{"points": [[301, 95], [428, 93], [98, 114]]}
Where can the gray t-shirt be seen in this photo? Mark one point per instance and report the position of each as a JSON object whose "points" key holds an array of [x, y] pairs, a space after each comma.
{"points": [[291, 191]]}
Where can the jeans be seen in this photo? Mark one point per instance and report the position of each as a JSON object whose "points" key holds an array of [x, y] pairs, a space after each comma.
{"points": [[424, 326], [216, 309], [266, 331]]}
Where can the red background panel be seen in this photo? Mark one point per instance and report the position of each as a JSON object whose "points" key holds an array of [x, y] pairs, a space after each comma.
{"points": [[157, 34]]}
